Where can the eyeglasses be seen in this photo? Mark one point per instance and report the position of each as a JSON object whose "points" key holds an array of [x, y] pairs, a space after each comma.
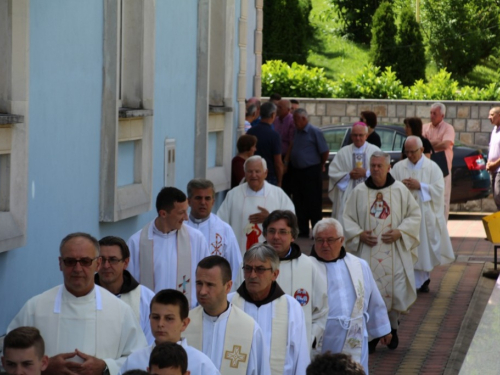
{"points": [[111, 261], [258, 270], [409, 152], [281, 232], [329, 241], [84, 262]]}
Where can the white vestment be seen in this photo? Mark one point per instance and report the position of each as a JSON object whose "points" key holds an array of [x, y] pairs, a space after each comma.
{"points": [[341, 184], [221, 241], [297, 356], [198, 363], [391, 264], [139, 300], [241, 202], [309, 291], [341, 299], [165, 257], [97, 324], [435, 245], [213, 337]]}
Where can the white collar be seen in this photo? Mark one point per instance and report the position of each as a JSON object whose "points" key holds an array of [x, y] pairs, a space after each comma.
{"points": [[90, 295]]}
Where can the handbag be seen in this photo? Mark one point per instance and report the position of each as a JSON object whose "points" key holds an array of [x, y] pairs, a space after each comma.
{"points": [[440, 159]]}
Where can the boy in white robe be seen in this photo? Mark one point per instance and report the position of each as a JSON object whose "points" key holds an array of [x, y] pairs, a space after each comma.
{"points": [[279, 315], [169, 319], [336, 265], [425, 180], [247, 205], [226, 334], [387, 242], [24, 352], [114, 277], [349, 168], [169, 249], [168, 358], [219, 235], [81, 315]]}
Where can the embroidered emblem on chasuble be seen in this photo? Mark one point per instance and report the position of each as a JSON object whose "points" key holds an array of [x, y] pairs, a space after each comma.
{"points": [[236, 356], [217, 245], [359, 161], [253, 233], [184, 284], [302, 296], [381, 255]]}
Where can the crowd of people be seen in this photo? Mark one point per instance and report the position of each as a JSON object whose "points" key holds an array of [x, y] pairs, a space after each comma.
{"points": [[232, 292]]}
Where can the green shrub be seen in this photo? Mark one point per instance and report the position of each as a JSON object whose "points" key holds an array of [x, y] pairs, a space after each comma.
{"points": [[286, 30], [295, 81], [383, 51], [410, 65], [440, 87]]}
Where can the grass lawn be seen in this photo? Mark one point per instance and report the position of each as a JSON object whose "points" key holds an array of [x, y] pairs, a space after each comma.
{"points": [[337, 55]]}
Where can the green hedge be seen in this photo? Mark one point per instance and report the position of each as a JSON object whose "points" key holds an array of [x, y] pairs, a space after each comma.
{"points": [[301, 81]]}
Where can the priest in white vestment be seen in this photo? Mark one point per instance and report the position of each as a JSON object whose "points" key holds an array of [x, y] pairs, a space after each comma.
{"points": [[357, 310], [219, 235], [114, 277], [425, 180], [85, 327], [279, 315], [246, 206], [168, 320], [349, 168], [382, 225], [164, 254], [225, 333]]}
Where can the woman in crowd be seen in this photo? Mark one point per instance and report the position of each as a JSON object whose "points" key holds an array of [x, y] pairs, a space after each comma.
{"points": [[413, 126], [246, 146]]}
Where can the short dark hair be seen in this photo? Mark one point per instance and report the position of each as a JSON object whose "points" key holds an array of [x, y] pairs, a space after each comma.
{"points": [[294, 101], [275, 96], [415, 124], [334, 364], [116, 241], [25, 338], [217, 261], [288, 216], [172, 297], [87, 236], [267, 110], [370, 118], [135, 372], [167, 197], [246, 142], [169, 354], [199, 183]]}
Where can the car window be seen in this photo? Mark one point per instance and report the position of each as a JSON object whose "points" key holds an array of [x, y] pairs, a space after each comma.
{"points": [[334, 138], [387, 139], [399, 142]]}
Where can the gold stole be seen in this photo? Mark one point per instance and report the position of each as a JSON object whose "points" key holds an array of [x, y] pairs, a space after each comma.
{"points": [[146, 260]]}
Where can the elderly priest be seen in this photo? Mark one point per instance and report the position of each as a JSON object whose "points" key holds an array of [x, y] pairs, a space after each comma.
{"points": [[86, 328]]}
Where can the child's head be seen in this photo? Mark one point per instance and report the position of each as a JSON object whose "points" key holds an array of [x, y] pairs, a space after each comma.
{"points": [[168, 316], [24, 352], [168, 358]]}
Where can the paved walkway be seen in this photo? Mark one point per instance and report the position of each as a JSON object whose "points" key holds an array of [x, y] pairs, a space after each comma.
{"points": [[437, 331]]}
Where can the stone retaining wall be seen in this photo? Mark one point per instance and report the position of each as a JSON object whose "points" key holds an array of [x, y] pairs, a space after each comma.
{"points": [[470, 120]]}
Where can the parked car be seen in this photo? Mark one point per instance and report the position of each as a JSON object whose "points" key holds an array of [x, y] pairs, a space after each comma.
{"points": [[469, 178]]}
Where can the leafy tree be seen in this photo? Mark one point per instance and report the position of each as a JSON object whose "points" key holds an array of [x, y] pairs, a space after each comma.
{"points": [[383, 51], [460, 32], [356, 17], [286, 30], [411, 52]]}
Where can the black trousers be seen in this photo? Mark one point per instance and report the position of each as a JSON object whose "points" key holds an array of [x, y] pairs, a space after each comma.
{"points": [[307, 191]]}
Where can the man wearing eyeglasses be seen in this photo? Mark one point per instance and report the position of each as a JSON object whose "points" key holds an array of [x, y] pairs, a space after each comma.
{"points": [[86, 329], [382, 225], [114, 277], [425, 180], [279, 315], [350, 168], [298, 276], [356, 308], [219, 235]]}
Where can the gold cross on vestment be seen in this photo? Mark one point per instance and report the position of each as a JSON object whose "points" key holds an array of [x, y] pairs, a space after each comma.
{"points": [[235, 356]]}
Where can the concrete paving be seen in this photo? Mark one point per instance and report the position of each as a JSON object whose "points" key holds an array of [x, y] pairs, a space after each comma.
{"points": [[437, 331]]}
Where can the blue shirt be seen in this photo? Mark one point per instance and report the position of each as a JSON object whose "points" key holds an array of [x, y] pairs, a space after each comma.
{"points": [[308, 146], [268, 145]]}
